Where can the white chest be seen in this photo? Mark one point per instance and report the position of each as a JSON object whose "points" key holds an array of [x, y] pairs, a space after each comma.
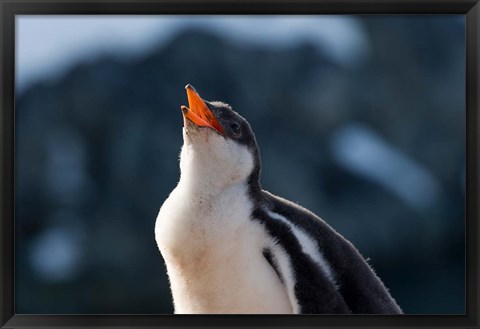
{"points": [[213, 253]]}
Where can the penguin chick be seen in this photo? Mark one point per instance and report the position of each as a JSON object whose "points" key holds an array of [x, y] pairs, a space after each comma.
{"points": [[231, 247]]}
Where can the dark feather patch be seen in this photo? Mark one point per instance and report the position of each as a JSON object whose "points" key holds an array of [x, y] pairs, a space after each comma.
{"points": [[272, 261], [362, 290], [315, 293]]}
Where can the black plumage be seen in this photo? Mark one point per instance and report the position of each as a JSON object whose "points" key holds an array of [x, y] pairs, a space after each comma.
{"points": [[360, 291]]}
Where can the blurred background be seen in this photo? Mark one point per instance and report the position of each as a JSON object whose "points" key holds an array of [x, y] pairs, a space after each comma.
{"points": [[358, 118]]}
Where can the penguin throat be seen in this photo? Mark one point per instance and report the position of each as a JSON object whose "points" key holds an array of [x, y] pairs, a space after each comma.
{"points": [[215, 164], [200, 177]]}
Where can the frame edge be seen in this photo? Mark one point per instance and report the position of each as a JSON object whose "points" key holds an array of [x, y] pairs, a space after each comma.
{"points": [[7, 246]]}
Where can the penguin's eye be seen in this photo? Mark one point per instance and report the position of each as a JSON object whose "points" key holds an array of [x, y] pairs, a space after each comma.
{"points": [[235, 128]]}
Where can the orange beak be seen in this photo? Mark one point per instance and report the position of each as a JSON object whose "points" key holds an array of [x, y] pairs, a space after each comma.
{"points": [[199, 113]]}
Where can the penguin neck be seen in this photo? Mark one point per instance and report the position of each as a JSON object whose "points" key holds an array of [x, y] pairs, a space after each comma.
{"points": [[209, 184], [200, 180], [203, 171], [253, 181], [253, 184]]}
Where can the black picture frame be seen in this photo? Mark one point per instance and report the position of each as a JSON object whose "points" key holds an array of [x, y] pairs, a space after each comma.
{"points": [[10, 8]]}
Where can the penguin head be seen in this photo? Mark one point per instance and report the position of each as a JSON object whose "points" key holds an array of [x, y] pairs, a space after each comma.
{"points": [[219, 144]]}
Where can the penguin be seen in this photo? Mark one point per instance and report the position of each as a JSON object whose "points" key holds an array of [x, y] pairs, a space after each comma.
{"points": [[231, 247]]}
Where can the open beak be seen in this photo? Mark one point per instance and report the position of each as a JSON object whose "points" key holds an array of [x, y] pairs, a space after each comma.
{"points": [[198, 111]]}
